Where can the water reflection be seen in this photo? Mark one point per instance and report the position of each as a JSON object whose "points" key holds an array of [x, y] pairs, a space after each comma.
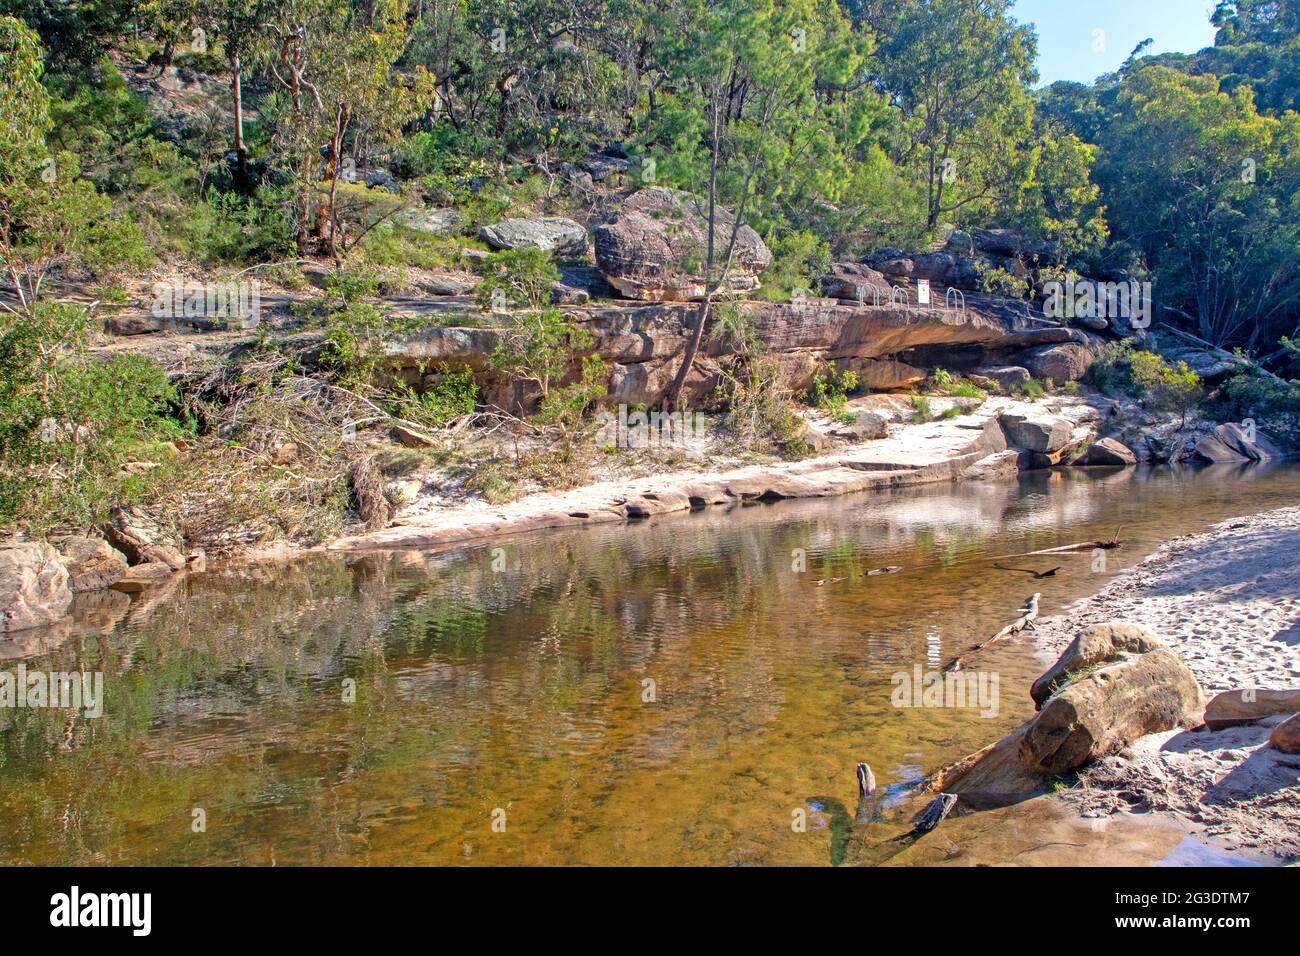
{"points": [[664, 693]]}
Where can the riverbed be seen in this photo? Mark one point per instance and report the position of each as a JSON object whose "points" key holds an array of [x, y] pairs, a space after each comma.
{"points": [[693, 689]]}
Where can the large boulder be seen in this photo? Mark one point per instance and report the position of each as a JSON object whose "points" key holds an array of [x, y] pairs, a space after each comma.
{"points": [[33, 586], [885, 375], [1064, 362], [435, 222], [868, 426], [1098, 643], [1039, 432], [564, 237], [1108, 708], [856, 282], [1107, 451], [655, 247], [1231, 442], [93, 564], [1235, 708], [1286, 735], [999, 466], [1004, 375]]}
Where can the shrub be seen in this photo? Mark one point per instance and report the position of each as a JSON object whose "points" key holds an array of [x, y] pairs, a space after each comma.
{"points": [[921, 405], [830, 390], [245, 229], [69, 422], [518, 278]]}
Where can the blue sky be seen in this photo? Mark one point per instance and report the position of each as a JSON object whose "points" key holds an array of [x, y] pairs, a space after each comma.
{"points": [[1066, 38]]}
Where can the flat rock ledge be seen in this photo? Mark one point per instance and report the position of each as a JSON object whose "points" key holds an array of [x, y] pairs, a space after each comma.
{"points": [[919, 454]]}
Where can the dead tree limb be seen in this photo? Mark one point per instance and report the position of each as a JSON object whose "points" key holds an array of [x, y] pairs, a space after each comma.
{"points": [[934, 814], [1015, 627]]}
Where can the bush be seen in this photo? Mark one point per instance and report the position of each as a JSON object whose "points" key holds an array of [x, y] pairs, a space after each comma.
{"points": [[799, 260], [68, 422], [247, 229], [517, 278], [830, 391], [1147, 376], [453, 394]]}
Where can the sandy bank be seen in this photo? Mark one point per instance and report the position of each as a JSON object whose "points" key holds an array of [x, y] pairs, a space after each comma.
{"points": [[1228, 601]]}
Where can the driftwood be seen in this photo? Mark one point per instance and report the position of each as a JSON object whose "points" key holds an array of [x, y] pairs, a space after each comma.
{"points": [[875, 572], [1015, 627], [1038, 575], [1098, 545], [934, 814]]}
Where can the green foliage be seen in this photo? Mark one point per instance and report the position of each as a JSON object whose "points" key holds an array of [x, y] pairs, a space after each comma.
{"points": [[1123, 369], [921, 408], [453, 395], [1030, 389], [517, 278], [998, 281], [1267, 400], [69, 422], [831, 389], [799, 260], [540, 347], [245, 230]]}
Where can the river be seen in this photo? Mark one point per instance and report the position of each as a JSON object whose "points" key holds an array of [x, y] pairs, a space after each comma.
{"points": [[695, 689]]}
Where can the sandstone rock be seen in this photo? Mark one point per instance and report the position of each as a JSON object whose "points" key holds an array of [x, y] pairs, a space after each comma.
{"points": [[564, 237], [1231, 442], [884, 375], [868, 427], [93, 564], [143, 576], [403, 491], [1286, 735], [1107, 451], [1002, 242], [1235, 708], [654, 249], [1107, 709], [856, 282], [448, 284], [1004, 375], [602, 166], [411, 438], [562, 294], [33, 586], [1040, 432], [1000, 466], [1065, 362], [1098, 643]]}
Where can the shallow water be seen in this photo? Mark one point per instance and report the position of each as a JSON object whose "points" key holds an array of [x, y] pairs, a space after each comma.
{"points": [[507, 682]]}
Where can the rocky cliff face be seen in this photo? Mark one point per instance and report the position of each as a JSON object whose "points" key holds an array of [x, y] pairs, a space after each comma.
{"points": [[889, 346]]}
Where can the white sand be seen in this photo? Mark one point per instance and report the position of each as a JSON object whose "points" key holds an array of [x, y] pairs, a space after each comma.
{"points": [[1228, 601]]}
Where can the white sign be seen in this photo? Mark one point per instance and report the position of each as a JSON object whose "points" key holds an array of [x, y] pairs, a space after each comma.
{"points": [[922, 291]]}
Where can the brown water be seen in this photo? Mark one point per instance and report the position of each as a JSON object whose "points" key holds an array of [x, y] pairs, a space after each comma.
{"points": [[519, 694]]}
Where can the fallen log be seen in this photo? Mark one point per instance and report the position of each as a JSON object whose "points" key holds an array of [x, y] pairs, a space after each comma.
{"points": [[1015, 627]]}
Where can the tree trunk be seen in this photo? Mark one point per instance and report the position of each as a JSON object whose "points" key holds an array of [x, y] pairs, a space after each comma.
{"points": [[672, 398], [241, 151]]}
